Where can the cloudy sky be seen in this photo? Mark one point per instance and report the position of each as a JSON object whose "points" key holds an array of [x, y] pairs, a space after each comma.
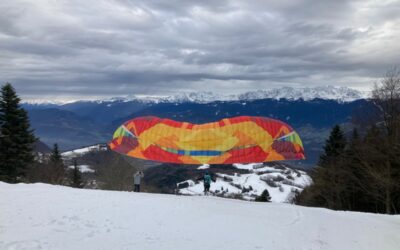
{"points": [[100, 48]]}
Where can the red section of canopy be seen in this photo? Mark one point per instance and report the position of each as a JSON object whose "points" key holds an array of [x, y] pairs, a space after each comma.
{"points": [[247, 155], [157, 154]]}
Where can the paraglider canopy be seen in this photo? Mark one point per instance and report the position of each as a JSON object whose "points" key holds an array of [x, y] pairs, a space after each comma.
{"points": [[243, 139]]}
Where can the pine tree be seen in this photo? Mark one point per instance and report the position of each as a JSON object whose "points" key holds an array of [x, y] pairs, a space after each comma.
{"points": [[330, 176], [56, 166], [264, 197], [76, 176], [55, 156], [16, 137], [335, 146]]}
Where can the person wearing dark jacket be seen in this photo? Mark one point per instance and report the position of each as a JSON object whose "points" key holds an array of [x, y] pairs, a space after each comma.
{"points": [[207, 182]]}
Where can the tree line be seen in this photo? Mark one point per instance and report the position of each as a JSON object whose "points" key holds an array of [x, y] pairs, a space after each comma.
{"points": [[362, 172]]}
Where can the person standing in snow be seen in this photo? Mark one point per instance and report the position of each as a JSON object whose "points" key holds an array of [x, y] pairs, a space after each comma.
{"points": [[207, 182], [136, 181]]}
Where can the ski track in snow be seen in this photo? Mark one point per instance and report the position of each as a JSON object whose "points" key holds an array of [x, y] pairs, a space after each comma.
{"points": [[41, 216], [297, 218]]}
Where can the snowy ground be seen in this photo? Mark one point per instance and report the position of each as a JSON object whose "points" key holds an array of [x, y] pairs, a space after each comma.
{"points": [[83, 151], [281, 182], [41, 216]]}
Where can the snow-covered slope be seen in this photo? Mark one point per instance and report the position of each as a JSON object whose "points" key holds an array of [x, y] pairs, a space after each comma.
{"points": [[281, 182], [84, 150], [40, 216], [83, 168]]}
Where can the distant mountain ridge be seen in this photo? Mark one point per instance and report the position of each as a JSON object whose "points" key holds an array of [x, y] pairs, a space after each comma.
{"points": [[342, 94]]}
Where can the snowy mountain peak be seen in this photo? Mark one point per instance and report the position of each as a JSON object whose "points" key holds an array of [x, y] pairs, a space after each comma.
{"points": [[342, 94], [200, 97]]}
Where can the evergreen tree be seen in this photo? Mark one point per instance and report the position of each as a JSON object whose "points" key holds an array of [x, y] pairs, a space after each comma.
{"points": [[330, 176], [16, 137], [264, 197], [76, 176], [55, 156], [56, 169], [334, 146]]}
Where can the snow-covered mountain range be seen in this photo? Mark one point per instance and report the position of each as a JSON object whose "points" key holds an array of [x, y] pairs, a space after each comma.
{"points": [[342, 94]]}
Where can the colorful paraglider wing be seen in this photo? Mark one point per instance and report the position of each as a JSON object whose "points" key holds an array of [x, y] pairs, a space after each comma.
{"points": [[242, 139]]}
